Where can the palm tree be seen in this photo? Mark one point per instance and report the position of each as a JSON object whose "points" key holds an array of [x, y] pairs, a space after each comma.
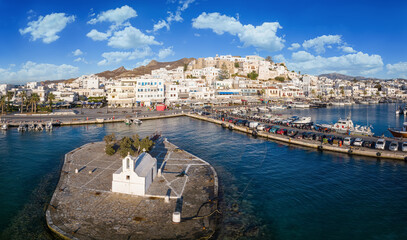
{"points": [[9, 96], [2, 103], [34, 101], [23, 96], [51, 97]]}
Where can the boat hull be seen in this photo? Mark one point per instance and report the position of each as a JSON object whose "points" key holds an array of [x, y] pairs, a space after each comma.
{"points": [[397, 133]]}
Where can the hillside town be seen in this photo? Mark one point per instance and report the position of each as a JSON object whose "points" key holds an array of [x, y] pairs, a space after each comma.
{"points": [[220, 80]]}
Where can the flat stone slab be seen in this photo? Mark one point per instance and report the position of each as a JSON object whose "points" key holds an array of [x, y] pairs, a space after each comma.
{"points": [[83, 206]]}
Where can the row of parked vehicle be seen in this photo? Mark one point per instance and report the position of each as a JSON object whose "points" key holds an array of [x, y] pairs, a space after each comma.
{"points": [[381, 143]]}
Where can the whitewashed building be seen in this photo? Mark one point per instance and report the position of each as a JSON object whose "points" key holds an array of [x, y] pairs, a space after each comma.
{"points": [[136, 175]]}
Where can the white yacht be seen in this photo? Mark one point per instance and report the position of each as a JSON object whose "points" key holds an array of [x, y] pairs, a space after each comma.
{"points": [[48, 126], [22, 128], [303, 120]]}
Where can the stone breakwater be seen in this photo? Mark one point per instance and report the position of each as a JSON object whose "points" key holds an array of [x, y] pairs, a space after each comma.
{"points": [[361, 151], [83, 206]]}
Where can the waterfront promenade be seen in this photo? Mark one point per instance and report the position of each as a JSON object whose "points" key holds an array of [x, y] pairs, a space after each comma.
{"points": [[83, 206]]}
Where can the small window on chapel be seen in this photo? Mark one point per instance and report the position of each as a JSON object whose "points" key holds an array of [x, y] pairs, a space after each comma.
{"points": [[127, 177]]}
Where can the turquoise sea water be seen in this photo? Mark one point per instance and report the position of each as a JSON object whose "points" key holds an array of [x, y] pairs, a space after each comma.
{"points": [[270, 190]]}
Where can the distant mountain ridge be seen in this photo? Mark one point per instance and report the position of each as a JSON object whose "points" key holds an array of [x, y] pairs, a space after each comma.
{"points": [[139, 71], [335, 76]]}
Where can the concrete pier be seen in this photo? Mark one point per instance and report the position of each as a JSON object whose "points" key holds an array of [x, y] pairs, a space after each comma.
{"points": [[361, 151], [83, 206]]}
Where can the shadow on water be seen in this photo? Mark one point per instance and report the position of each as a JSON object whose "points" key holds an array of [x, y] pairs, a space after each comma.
{"points": [[29, 222]]}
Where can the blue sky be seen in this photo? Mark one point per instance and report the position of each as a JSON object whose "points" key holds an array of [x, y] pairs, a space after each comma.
{"points": [[47, 40]]}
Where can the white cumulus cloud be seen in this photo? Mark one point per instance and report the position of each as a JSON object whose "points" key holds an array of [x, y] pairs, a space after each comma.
{"points": [[31, 71], [118, 56], [397, 69], [347, 49], [165, 52], [262, 37], [95, 35], [294, 46], [320, 43], [47, 28], [117, 16], [77, 52], [131, 37], [173, 17], [354, 64]]}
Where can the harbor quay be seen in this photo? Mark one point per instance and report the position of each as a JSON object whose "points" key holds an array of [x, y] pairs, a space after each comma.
{"points": [[181, 202], [351, 150], [89, 116]]}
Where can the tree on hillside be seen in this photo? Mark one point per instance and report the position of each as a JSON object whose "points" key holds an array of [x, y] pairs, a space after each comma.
{"points": [[331, 92], [280, 79], [253, 75], [342, 91], [223, 73], [378, 86], [268, 58], [237, 65]]}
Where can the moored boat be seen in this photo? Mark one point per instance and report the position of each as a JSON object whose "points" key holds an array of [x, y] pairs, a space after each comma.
{"points": [[4, 126], [137, 121], [48, 126], [22, 128], [303, 120], [100, 120], [401, 132]]}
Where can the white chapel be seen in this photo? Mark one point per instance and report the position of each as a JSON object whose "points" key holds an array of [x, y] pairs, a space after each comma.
{"points": [[136, 174]]}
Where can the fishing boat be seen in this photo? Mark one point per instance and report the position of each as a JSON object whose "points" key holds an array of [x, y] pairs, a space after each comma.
{"points": [[127, 121], [137, 121], [399, 132], [4, 126], [347, 126]]}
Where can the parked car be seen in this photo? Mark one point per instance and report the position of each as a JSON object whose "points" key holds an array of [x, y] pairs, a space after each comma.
{"points": [[318, 136], [380, 144], [358, 142], [404, 147], [337, 140], [282, 131], [347, 141], [274, 129], [292, 133], [368, 144], [309, 136], [394, 146]]}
